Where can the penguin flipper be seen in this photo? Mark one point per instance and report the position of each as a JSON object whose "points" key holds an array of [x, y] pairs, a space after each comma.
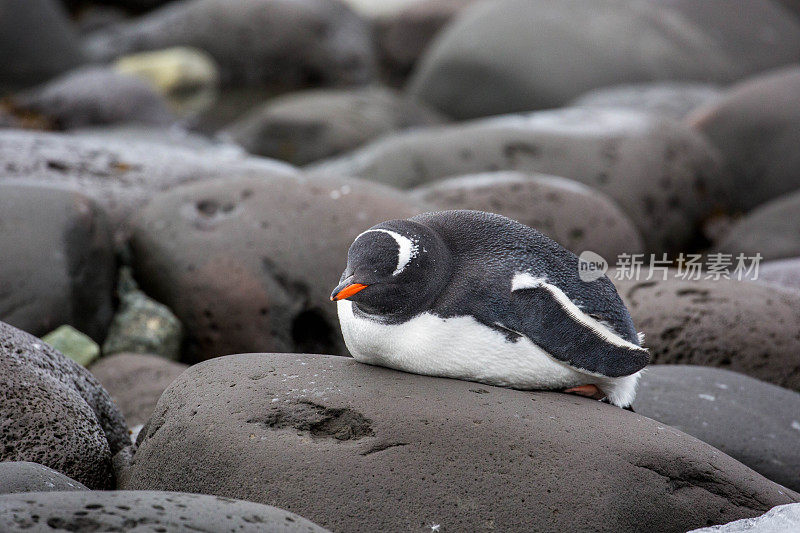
{"points": [[549, 318]]}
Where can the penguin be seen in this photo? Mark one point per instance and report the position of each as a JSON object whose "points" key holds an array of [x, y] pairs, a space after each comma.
{"points": [[480, 297]]}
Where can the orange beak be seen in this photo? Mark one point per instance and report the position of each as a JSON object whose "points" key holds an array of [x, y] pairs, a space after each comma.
{"points": [[347, 291]]}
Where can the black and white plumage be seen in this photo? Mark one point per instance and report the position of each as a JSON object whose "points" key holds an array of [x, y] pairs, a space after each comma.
{"points": [[480, 297]]}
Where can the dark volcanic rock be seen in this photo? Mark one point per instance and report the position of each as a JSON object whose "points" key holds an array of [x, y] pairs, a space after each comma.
{"points": [[307, 126], [93, 96], [521, 55], [756, 126], [671, 99], [662, 174], [127, 511], [772, 230], [362, 448], [53, 412], [56, 260], [746, 327], [37, 42], [289, 43], [249, 264], [24, 476], [120, 173], [752, 421], [577, 217], [135, 382]]}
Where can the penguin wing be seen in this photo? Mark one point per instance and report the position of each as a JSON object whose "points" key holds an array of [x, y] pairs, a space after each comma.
{"points": [[549, 318]]}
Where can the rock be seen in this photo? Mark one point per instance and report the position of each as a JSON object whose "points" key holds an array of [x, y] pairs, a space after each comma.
{"points": [[53, 412], [74, 344], [772, 230], [62, 267], [756, 126], [779, 519], [482, 63], [307, 126], [404, 35], [671, 99], [785, 272], [663, 175], [752, 421], [745, 327], [187, 77], [374, 9], [287, 43], [574, 215], [128, 511], [24, 476], [37, 42], [94, 96], [90, 18], [120, 173], [135, 382], [383, 450], [142, 325], [249, 264]]}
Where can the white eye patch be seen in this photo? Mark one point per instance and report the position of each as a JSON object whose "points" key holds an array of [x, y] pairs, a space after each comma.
{"points": [[406, 248]]}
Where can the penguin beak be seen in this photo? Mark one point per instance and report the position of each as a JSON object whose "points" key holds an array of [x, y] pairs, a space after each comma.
{"points": [[346, 289]]}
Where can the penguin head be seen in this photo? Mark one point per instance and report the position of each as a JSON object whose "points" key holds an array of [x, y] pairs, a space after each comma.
{"points": [[398, 266]]}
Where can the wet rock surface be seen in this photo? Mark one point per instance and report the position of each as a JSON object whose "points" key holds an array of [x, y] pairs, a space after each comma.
{"points": [[249, 264], [24, 476], [734, 325], [401, 443], [126, 511], [577, 217], [53, 412], [57, 265], [704, 402]]}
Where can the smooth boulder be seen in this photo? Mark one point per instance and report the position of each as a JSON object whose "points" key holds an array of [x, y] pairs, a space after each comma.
{"points": [[735, 325], [756, 126], [754, 422], [663, 175], [57, 263], [521, 55], [55, 413], [249, 264], [671, 99], [574, 215], [355, 447], [136, 381], [128, 511], [24, 476]]}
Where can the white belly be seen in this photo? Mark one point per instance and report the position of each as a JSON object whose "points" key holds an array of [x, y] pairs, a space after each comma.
{"points": [[458, 347]]}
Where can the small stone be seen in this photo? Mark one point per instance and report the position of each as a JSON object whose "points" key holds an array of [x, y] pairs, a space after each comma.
{"points": [[142, 325], [24, 476], [74, 344]]}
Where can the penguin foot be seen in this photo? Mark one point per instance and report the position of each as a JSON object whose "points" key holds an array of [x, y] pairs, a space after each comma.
{"points": [[589, 391]]}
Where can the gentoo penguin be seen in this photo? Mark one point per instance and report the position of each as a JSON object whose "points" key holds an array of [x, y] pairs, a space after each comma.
{"points": [[477, 296]]}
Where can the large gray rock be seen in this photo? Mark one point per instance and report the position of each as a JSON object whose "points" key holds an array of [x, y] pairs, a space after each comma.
{"points": [[57, 262], [780, 519], [135, 382], [53, 412], [362, 448], [24, 476], [127, 511], [752, 421], [671, 99], [663, 175], [746, 327], [521, 55], [289, 43], [37, 42], [772, 230], [121, 172], [307, 126], [249, 264], [93, 96], [756, 126], [577, 217]]}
